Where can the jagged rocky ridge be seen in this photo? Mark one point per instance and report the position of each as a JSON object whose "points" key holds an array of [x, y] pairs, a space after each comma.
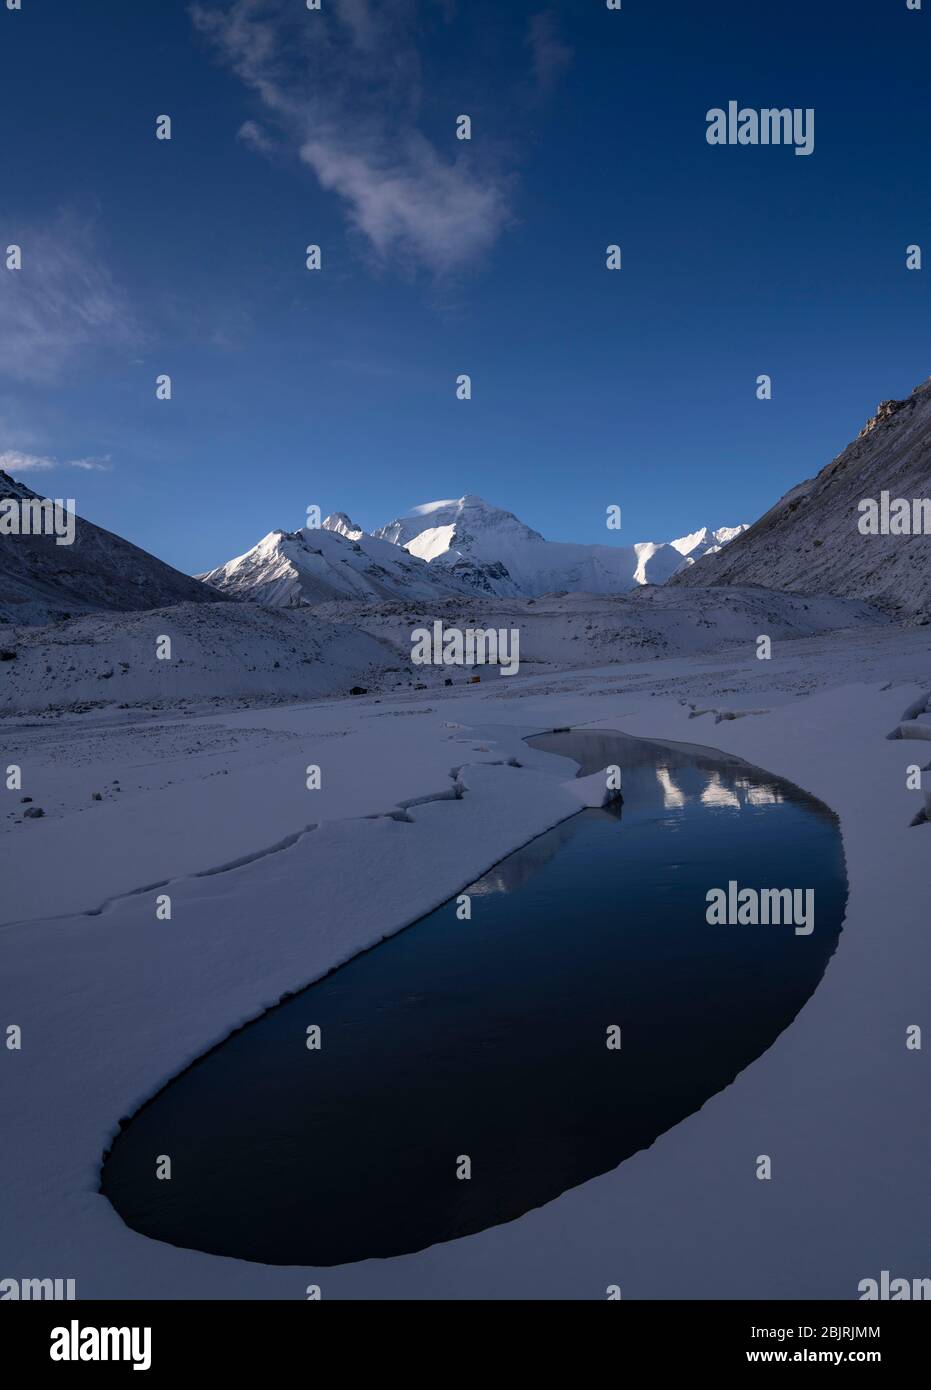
{"points": [[810, 540], [43, 582]]}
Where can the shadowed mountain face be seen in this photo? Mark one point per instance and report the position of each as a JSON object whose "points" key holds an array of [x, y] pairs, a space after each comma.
{"points": [[42, 581], [810, 540]]}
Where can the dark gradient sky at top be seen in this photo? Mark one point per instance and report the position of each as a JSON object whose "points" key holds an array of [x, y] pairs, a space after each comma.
{"points": [[590, 388]]}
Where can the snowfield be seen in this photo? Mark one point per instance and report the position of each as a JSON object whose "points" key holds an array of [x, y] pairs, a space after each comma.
{"points": [[248, 650], [243, 650], [272, 885]]}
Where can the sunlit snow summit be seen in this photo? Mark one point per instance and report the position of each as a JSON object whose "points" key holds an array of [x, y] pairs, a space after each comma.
{"points": [[444, 548]]}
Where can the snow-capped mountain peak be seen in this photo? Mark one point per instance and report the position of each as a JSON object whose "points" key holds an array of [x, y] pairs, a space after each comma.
{"points": [[453, 546], [341, 524], [337, 561], [491, 549], [705, 539], [458, 520]]}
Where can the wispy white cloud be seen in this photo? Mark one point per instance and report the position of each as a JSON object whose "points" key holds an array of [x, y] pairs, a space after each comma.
{"points": [[17, 461], [420, 204], [255, 138], [343, 85], [102, 465], [62, 304]]}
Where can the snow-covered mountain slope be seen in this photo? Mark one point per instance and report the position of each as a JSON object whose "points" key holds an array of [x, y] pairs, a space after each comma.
{"points": [[291, 569], [238, 652], [493, 551], [220, 652], [42, 582], [571, 631], [810, 540]]}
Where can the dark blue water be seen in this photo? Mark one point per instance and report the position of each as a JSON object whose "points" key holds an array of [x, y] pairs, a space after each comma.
{"points": [[487, 1038]]}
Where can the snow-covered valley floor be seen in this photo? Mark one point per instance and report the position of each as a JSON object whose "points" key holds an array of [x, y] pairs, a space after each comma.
{"points": [[272, 884]]}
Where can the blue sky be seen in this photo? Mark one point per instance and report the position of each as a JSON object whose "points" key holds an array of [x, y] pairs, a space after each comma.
{"points": [[441, 257]]}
